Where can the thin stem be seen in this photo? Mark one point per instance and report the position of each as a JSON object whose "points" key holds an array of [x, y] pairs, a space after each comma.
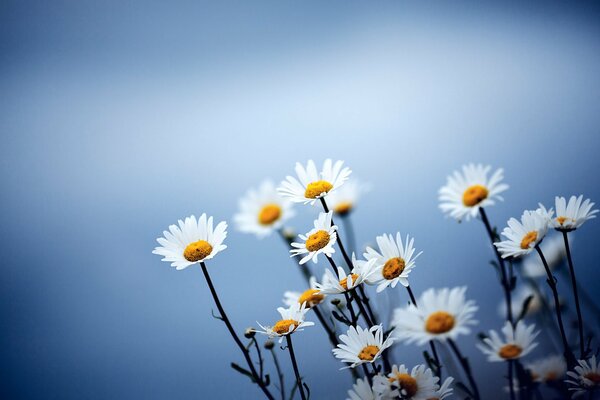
{"points": [[367, 374], [349, 230], [466, 367], [511, 388], [576, 294], [279, 374], [351, 309], [295, 365], [237, 340], [361, 308], [260, 359], [330, 332]]}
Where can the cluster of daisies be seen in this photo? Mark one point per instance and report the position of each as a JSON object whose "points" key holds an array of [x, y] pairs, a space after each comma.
{"points": [[340, 299]]}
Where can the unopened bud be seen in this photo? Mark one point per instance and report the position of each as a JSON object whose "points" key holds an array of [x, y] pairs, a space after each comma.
{"points": [[249, 333], [269, 344]]}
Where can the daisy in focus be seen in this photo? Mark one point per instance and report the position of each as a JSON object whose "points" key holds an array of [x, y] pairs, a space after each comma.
{"points": [[292, 320], [311, 297], [192, 241], [555, 253], [343, 201], [262, 211], [418, 384], [585, 377], [319, 240], [359, 346], [393, 262], [571, 215], [361, 272], [547, 369], [361, 390], [523, 236], [311, 185], [470, 190], [442, 314], [517, 342]]}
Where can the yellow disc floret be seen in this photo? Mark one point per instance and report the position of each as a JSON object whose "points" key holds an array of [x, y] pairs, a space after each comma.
{"points": [[531, 237], [269, 214], [344, 282], [197, 251], [311, 297], [474, 195], [317, 240], [368, 353], [282, 327], [393, 268], [510, 351], [407, 383], [439, 322], [343, 208], [315, 189]]}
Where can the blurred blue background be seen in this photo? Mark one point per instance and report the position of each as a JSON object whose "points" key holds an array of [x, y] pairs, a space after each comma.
{"points": [[117, 118]]}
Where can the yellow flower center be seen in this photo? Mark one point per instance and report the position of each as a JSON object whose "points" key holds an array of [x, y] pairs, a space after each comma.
{"points": [[344, 282], [343, 207], [314, 189], [269, 214], [197, 251], [593, 376], [439, 322], [510, 351], [317, 241], [474, 195], [282, 327], [368, 353], [311, 297], [393, 268], [561, 220], [531, 237], [406, 383]]}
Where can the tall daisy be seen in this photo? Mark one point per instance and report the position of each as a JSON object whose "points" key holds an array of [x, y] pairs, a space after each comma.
{"points": [[547, 369], [342, 283], [442, 314], [362, 390], [319, 240], [393, 261], [262, 211], [311, 185], [192, 241], [400, 383], [571, 215], [466, 192], [554, 250], [311, 296], [292, 320], [359, 346], [523, 236], [343, 201], [517, 342], [585, 377]]}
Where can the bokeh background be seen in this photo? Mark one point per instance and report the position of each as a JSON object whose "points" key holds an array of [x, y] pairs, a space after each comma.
{"points": [[119, 117]]}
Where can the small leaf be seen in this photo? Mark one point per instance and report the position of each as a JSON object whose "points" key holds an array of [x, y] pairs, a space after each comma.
{"points": [[242, 371], [525, 307]]}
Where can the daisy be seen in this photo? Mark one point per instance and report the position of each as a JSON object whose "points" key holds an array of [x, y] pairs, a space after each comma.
{"points": [[192, 241], [571, 215], [343, 201], [319, 240], [311, 296], [361, 390], [292, 320], [343, 282], [586, 376], [359, 346], [311, 185], [548, 369], [518, 300], [442, 314], [262, 211], [522, 237], [517, 343], [418, 384], [555, 253], [465, 193], [444, 391], [393, 262]]}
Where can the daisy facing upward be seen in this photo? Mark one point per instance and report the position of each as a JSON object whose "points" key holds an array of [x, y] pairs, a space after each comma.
{"points": [[359, 346], [319, 240]]}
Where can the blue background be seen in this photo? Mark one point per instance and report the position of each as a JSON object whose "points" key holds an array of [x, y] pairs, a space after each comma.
{"points": [[117, 118]]}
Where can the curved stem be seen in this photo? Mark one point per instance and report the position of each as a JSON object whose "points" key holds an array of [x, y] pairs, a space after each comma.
{"points": [[330, 332], [576, 294], [295, 365], [279, 374], [466, 367]]}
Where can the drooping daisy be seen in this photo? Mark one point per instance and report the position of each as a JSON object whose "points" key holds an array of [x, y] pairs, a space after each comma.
{"points": [[292, 320], [359, 346], [319, 240], [362, 390], [555, 253], [418, 384], [310, 296], [547, 369], [342, 283], [262, 211], [522, 237], [466, 192], [517, 300], [517, 342], [442, 314], [585, 377], [312, 185], [571, 215], [444, 391], [192, 241], [393, 262], [343, 201]]}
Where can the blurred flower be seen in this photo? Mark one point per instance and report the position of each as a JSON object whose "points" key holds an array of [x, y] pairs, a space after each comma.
{"points": [[518, 299], [361, 390], [359, 346], [318, 240], [465, 193], [192, 241], [554, 251], [586, 376], [571, 215], [518, 342], [343, 201], [444, 391], [418, 384], [525, 235], [547, 369], [292, 320], [332, 284], [311, 296]]}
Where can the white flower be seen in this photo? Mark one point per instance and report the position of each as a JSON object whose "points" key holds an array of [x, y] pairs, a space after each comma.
{"points": [[418, 384], [571, 215], [554, 251], [292, 320], [319, 240], [361, 270], [517, 300], [466, 192], [444, 391], [361, 390], [442, 314], [312, 185], [393, 262], [522, 237], [311, 296], [262, 211], [192, 241], [547, 369], [586, 376], [343, 201], [517, 343], [359, 346]]}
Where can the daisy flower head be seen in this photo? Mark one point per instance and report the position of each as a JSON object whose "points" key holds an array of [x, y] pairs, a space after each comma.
{"points": [[319, 240], [359, 346], [555, 253], [311, 296], [444, 391], [362, 390], [262, 210], [393, 262], [292, 320], [400, 383], [466, 192], [584, 377], [311, 185], [343, 201], [522, 236], [572, 214], [192, 241], [517, 342], [547, 369], [442, 314], [361, 271]]}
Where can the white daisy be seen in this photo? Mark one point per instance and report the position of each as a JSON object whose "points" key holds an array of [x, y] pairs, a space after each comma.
{"points": [[442, 314], [192, 241], [393, 262], [522, 237], [343, 201], [586, 376], [547, 369], [319, 240], [418, 384], [517, 343], [571, 215], [292, 320], [311, 185], [444, 391], [262, 211], [361, 390], [361, 271], [517, 300], [359, 346], [310, 296], [466, 192], [554, 251]]}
